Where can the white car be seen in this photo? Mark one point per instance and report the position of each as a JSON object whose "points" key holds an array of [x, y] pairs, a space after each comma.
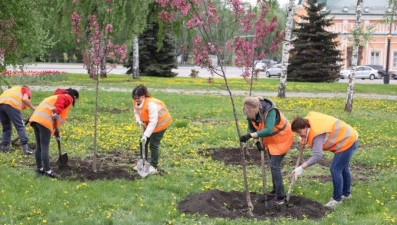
{"points": [[263, 64], [274, 70], [363, 72]]}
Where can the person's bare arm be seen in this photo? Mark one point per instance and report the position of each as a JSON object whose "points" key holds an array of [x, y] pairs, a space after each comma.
{"points": [[26, 100]]}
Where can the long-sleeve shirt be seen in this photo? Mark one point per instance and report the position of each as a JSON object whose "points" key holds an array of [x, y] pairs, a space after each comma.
{"points": [[153, 117], [270, 122], [63, 101], [317, 150]]}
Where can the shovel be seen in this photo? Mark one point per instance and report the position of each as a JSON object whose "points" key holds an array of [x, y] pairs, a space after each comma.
{"points": [[63, 158], [293, 177], [142, 164], [267, 203]]}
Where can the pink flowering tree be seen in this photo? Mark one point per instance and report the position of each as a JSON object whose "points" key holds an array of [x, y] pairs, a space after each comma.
{"points": [[93, 35], [247, 43]]}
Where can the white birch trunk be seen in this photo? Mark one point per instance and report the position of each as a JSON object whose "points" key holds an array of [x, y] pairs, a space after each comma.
{"points": [[2, 61], [286, 48], [135, 57], [356, 43]]}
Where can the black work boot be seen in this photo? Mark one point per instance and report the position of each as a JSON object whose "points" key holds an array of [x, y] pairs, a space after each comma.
{"points": [[4, 148], [26, 150], [51, 174]]}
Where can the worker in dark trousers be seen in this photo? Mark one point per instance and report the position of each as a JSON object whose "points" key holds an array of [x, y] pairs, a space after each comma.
{"points": [[12, 102]]}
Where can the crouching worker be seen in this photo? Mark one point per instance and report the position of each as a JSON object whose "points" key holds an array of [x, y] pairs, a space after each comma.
{"points": [[52, 111], [267, 122], [327, 133], [154, 116]]}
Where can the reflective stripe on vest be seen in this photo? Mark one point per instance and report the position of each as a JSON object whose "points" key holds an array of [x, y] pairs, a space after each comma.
{"points": [[164, 116], [340, 136], [43, 113], [282, 136], [13, 97]]}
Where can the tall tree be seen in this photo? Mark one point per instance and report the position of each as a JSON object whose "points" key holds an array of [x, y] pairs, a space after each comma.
{"points": [[356, 43], [157, 55], [315, 57], [21, 32], [286, 48]]}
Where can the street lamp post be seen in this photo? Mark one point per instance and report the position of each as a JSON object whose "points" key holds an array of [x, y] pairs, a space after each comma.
{"points": [[386, 78]]}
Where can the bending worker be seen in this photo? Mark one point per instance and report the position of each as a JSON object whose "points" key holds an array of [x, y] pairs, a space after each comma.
{"points": [[327, 133], [12, 102]]}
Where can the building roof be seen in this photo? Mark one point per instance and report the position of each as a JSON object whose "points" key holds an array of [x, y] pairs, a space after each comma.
{"points": [[348, 7]]}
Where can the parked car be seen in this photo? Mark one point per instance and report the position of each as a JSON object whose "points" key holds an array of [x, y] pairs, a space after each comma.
{"points": [[380, 69], [363, 72], [394, 75], [263, 64], [275, 70]]}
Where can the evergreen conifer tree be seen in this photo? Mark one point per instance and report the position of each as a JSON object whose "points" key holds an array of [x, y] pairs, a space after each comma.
{"points": [[155, 61], [314, 56]]}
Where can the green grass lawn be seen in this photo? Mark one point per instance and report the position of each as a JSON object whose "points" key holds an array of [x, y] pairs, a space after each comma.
{"points": [[199, 122]]}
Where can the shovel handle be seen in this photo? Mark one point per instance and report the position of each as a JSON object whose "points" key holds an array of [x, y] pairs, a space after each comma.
{"points": [[293, 176]]}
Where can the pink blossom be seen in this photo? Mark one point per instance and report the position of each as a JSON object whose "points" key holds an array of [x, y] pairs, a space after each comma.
{"points": [[109, 28]]}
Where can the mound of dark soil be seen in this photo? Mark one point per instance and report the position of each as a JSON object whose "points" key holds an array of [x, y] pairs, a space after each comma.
{"points": [[216, 203]]}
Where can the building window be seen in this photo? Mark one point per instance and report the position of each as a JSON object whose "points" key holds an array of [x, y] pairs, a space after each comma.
{"points": [[394, 59], [375, 58]]}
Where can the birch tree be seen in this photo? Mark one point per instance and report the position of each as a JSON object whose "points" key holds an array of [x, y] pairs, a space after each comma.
{"points": [[286, 47], [356, 43]]}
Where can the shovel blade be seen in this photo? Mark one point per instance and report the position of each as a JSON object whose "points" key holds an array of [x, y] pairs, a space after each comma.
{"points": [[63, 159], [143, 167]]}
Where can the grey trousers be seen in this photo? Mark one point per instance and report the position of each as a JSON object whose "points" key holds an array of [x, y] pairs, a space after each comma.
{"points": [[8, 115]]}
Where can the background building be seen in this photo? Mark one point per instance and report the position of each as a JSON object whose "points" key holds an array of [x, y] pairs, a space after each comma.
{"points": [[344, 17]]}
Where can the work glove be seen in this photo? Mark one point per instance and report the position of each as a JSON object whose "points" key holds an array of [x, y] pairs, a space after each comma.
{"points": [[55, 116], [143, 139], [140, 123], [297, 172], [245, 137], [259, 146]]}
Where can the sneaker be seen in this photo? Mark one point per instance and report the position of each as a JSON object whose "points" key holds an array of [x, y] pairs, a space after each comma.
{"points": [[347, 197], [135, 168], [332, 203], [152, 170], [278, 201], [51, 174]]}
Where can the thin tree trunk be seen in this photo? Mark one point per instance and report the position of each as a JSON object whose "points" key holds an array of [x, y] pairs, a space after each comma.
{"points": [[135, 57], [94, 167], [356, 42], [286, 48], [102, 54]]}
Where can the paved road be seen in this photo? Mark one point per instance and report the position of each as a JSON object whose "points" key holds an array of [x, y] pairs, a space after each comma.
{"points": [[183, 71]]}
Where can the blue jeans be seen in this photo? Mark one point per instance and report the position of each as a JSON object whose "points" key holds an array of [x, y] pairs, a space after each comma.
{"points": [[341, 177]]}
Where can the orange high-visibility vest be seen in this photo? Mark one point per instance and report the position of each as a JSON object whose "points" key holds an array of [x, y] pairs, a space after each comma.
{"points": [[13, 97], [164, 116], [282, 137], [43, 113], [339, 135]]}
